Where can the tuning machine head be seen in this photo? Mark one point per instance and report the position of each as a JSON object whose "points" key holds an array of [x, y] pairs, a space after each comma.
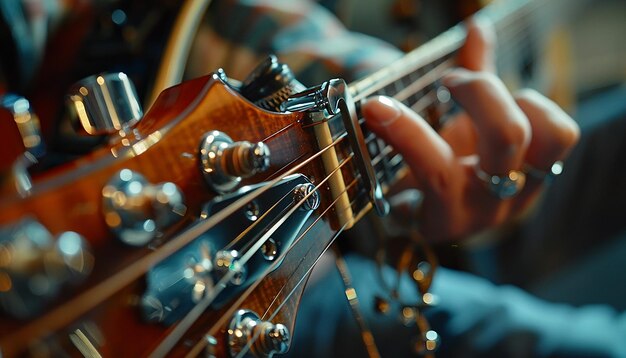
{"points": [[263, 338], [22, 140], [225, 162], [105, 104], [34, 265], [270, 84], [136, 210]]}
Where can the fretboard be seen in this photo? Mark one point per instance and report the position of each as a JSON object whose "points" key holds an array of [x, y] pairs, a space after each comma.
{"points": [[414, 79]]}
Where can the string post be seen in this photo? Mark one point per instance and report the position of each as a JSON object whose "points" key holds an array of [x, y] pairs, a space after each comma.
{"points": [[264, 339], [306, 196]]}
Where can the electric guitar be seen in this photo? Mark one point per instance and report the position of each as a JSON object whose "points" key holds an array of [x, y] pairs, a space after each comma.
{"points": [[195, 228]]}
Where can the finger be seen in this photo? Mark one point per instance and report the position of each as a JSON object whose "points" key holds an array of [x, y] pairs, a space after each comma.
{"points": [[460, 134], [502, 128], [428, 155], [477, 53], [554, 132]]}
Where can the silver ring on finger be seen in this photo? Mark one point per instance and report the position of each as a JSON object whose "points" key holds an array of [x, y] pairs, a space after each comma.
{"points": [[502, 186]]}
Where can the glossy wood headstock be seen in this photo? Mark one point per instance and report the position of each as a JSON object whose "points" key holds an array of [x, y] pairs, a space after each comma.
{"points": [[163, 147]]}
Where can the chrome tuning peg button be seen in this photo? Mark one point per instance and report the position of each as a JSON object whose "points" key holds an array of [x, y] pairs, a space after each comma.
{"points": [[225, 162], [34, 265], [136, 211], [106, 103], [262, 337]]}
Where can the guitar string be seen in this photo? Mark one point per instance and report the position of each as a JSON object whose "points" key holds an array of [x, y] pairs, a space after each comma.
{"points": [[114, 283], [446, 65], [174, 336], [448, 49], [425, 101], [429, 98], [374, 160], [272, 316], [517, 44], [267, 316], [142, 265], [268, 211], [439, 69], [132, 272], [243, 352], [254, 224], [195, 351], [514, 36], [221, 321]]}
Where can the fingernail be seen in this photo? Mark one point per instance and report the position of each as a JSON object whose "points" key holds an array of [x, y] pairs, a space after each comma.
{"points": [[456, 77], [381, 111]]}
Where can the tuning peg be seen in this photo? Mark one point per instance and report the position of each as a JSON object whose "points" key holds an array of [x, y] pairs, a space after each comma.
{"points": [[106, 103], [34, 265], [136, 210], [225, 162], [264, 338], [26, 122], [22, 140], [270, 84]]}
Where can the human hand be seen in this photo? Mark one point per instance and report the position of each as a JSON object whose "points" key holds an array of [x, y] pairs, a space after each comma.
{"points": [[498, 132]]}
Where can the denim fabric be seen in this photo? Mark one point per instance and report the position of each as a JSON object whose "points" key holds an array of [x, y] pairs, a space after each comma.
{"points": [[474, 318]]}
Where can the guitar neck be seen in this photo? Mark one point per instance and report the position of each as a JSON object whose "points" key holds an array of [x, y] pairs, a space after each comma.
{"points": [[510, 19], [414, 79]]}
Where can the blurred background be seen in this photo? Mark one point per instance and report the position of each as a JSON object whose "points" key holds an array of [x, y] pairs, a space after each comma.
{"points": [[570, 249]]}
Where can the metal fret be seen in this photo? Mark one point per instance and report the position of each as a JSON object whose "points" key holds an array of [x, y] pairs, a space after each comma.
{"points": [[415, 81]]}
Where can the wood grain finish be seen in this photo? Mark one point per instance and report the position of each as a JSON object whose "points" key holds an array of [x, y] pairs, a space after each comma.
{"points": [[163, 147]]}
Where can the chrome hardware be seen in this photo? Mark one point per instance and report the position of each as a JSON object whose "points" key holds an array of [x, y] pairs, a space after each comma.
{"points": [[224, 162], [252, 211], [34, 265], [311, 202], [136, 211], [23, 142], [227, 261], [176, 284], [106, 103], [26, 121], [262, 337], [270, 84], [332, 97], [270, 249], [180, 282]]}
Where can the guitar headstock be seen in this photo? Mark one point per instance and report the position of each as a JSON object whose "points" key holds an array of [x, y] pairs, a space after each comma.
{"points": [[206, 206]]}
